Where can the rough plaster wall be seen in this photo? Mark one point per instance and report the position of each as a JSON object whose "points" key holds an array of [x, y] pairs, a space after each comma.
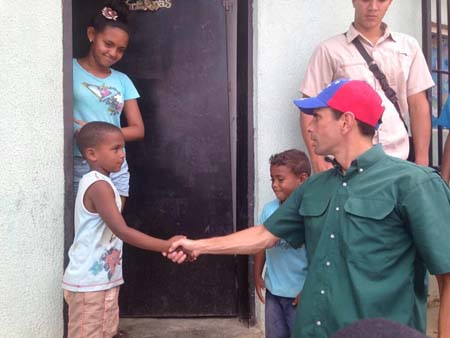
{"points": [[285, 35], [32, 177]]}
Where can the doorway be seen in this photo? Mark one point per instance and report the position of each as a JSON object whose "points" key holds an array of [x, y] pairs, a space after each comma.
{"points": [[184, 173]]}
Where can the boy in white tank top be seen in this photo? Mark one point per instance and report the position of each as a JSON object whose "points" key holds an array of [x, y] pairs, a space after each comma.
{"points": [[94, 273]]}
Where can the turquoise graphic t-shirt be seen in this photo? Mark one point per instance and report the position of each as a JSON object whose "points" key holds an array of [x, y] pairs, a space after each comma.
{"points": [[100, 99]]}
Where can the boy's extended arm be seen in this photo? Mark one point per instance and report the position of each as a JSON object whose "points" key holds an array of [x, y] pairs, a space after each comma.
{"points": [[100, 197], [260, 260]]}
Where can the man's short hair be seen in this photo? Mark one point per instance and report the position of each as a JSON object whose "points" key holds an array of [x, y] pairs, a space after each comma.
{"points": [[296, 160], [364, 128], [93, 133]]}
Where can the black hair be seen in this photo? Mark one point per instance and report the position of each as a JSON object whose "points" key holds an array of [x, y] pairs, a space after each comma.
{"points": [[364, 128], [296, 160], [100, 22], [93, 133]]}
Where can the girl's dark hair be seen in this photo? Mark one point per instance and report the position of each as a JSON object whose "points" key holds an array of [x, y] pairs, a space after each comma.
{"points": [[295, 160], [100, 22]]}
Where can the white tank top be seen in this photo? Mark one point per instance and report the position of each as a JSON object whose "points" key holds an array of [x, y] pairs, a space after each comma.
{"points": [[96, 253]]}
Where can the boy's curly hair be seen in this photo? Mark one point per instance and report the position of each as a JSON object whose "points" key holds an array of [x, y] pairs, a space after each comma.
{"points": [[296, 160]]}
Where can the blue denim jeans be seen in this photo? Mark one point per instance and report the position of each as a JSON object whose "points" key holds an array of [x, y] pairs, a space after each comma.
{"points": [[280, 316]]}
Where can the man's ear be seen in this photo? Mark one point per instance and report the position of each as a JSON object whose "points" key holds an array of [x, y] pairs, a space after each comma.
{"points": [[348, 121]]}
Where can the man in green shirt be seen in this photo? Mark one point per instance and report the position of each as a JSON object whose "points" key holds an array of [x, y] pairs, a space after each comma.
{"points": [[372, 224]]}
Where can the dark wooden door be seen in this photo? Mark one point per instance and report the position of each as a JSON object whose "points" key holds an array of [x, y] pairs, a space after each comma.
{"points": [[181, 179]]}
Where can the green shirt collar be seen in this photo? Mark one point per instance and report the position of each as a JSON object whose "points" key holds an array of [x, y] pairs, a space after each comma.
{"points": [[362, 162]]}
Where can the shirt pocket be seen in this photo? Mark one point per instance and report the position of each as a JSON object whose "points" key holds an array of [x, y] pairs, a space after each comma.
{"points": [[395, 63], [369, 233], [313, 211], [356, 69], [405, 59], [370, 209]]}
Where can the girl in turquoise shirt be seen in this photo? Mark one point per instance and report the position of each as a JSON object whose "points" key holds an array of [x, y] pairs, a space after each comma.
{"points": [[102, 93]]}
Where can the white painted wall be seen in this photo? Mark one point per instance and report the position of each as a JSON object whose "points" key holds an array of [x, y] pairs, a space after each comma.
{"points": [[285, 35], [31, 170]]}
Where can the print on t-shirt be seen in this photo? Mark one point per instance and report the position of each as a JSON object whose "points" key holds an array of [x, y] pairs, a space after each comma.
{"points": [[107, 262], [108, 95]]}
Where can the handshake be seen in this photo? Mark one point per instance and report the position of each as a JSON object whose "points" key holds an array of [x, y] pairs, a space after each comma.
{"points": [[245, 242], [181, 249]]}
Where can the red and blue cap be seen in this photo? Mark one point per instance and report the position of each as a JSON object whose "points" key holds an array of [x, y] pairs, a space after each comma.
{"points": [[346, 95]]}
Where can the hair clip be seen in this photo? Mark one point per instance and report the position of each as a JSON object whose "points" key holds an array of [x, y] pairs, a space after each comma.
{"points": [[109, 13]]}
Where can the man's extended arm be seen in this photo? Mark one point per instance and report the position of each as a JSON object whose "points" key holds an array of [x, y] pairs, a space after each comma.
{"points": [[248, 241], [444, 308], [420, 118]]}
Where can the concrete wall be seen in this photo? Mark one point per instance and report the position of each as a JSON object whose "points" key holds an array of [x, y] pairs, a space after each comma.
{"points": [[32, 177], [285, 34]]}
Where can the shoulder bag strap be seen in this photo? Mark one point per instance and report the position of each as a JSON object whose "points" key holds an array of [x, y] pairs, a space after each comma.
{"points": [[379, 75]]}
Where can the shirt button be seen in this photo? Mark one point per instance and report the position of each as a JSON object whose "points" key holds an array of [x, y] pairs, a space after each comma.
{"points": [[361, 170], [318, 323], [337, 208], [327, 263], [332, 236], [344, 184], [322, 292]]}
